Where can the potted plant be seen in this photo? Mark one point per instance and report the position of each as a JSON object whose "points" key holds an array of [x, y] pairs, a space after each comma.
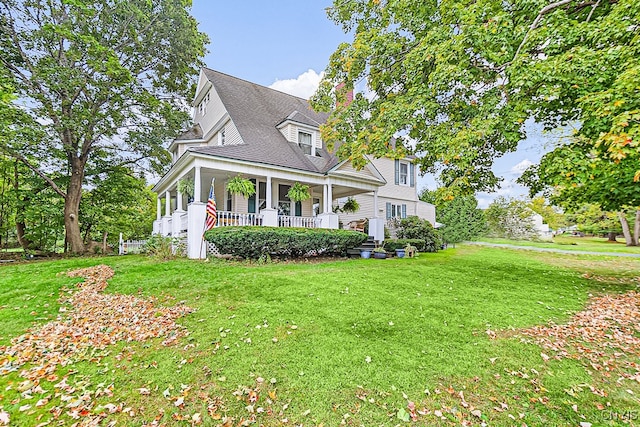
{"points": [[379, 252], [299, 192], [410, 251], [365, 253], [240, 185], [400, 252], [350, 206], [187, 186]]}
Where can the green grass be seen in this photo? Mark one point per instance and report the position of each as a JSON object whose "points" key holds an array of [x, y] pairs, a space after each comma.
{"points": [[571, 243], [353, 337]]}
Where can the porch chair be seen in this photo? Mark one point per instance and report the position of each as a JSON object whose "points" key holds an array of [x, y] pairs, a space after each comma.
{"points": [[357, 225]]}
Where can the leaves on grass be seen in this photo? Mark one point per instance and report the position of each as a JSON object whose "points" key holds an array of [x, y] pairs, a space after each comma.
{"points": [[89, 323], [605, 335]]}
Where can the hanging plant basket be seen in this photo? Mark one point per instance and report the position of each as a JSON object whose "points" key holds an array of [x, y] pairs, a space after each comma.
{"points": [[186, 186], [350, 206], [299, 192], [240, 185]]}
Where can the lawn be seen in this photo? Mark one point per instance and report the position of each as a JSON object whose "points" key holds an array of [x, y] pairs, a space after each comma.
{"points": [[434, 340], [571, 243]]}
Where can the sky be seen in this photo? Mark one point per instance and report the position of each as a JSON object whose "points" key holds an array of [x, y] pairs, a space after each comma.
{"points": [[286, 44]]}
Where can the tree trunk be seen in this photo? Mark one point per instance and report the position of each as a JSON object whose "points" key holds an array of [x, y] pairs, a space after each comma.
{"points": [[625, 229], [20, 224], [72, 207], [612, 236], [636, 229], [104, 243]]}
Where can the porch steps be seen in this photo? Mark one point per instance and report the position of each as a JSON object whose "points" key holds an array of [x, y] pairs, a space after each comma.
{"points": [[370, 244]]}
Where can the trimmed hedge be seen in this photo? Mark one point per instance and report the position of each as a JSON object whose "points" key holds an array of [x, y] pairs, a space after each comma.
{"points": [[393, 244], [257, 242], [413, 227]]}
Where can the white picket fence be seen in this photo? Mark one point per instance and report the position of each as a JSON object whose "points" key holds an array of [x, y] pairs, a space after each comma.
{"points": [[130, 246]]}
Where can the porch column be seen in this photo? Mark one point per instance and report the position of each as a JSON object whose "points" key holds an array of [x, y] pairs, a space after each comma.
{"points": [[166, 219], [325, 203], [197, 188], [330, 197], [375, 204], [178, 201], [268, 195], [376, 225], [157, 224], [269, 214]]}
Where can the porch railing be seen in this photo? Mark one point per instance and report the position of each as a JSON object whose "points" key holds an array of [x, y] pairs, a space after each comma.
{"points": [[298, 221], [228, 219], [184, 222]]}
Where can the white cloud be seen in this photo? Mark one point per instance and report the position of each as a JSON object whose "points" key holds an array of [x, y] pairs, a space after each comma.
{"points": [[521, 167], [303, 86]]}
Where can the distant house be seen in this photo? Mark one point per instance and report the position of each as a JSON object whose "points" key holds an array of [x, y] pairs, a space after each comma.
{"points": [[272, 139]]}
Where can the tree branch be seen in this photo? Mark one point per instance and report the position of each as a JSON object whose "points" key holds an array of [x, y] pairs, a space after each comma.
{"points": [[37, 171]]}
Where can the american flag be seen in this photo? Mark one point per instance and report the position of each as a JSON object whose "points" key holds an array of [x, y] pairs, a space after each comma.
{"points": [[212, 212]]}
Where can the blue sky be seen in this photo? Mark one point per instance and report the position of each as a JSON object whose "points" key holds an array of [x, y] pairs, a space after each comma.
{"points": [[286, 44]]}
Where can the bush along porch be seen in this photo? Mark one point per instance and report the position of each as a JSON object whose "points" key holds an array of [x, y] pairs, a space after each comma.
{"points": [[261, 243]]}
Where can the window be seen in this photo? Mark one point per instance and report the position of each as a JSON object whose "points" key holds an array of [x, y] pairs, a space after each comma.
{"points": [[229, 202], [284, 203], [304, 141], [396, 211], [404, 174], [202, 107], [262, 197]]}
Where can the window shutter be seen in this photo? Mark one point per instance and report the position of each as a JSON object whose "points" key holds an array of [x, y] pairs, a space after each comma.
{"points": [[388, 210], [404, 211], [412, 173], [397, 171], [298, 209], [252, 199]]}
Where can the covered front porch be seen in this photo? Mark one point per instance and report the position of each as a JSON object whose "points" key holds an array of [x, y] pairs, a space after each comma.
{"points": [[183, 216]]}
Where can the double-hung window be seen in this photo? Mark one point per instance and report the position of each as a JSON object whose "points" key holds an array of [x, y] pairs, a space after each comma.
{"points": [[305, 143], [404, 173]]}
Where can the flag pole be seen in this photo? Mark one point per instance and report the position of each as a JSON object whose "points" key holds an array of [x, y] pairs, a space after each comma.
{"points": [[211, 214]]}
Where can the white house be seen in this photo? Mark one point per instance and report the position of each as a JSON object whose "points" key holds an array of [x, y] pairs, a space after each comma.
{"points": [[273, 139]]}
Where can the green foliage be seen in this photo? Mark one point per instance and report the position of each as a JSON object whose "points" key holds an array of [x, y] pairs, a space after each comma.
{"points": [[163, 247], [299, 192], [509, 218], [119, 202], [462, 218], [350, 206], [106, 81], [461, 79], [574, 174], [414, 227], [256, 242], [186, 186], [240, 185], [393, 244], [591, 219]]}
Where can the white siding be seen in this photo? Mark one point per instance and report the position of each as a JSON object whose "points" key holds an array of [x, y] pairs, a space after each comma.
{"points": [[427, 211], [386, 167], [215, 111]]}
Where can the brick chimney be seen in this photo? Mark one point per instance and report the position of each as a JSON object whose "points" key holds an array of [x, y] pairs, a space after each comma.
{"points": [[348, 96]]}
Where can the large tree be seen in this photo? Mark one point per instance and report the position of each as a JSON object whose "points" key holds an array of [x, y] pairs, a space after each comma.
{"points": [[105, 79], [462, 218], [455, 81], [574, 175]]}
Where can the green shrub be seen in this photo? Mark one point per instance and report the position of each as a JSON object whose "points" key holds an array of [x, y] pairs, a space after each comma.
{"points": [[258, 242], [413, 227], [163, 247], [393, 244]]}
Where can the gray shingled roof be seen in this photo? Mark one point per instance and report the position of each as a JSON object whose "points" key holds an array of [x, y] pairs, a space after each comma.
{"points": [[256, 111], [194, 133]]}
